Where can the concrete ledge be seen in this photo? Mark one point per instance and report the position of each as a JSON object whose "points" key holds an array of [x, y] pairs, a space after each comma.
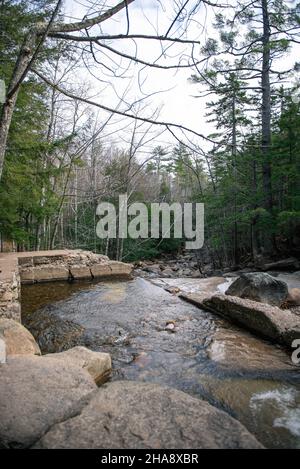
{"points": [[44, 273]]}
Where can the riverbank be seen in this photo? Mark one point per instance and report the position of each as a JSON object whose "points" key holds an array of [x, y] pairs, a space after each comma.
{"points": [[193, 379], [189, 266], [155, 337]]}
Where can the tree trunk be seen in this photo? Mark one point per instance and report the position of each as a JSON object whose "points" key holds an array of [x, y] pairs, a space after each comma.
{"points": [[234, 155], [12, 93], [255, 248], [266, 109]]}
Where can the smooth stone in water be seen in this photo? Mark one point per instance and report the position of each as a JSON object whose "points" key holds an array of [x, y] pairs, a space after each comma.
{"points": [[52, 333]]}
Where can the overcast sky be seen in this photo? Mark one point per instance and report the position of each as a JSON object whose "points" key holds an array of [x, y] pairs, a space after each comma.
{"points": [[177, 103]]}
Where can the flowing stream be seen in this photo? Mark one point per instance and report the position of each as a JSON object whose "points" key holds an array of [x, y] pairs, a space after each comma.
{"points": [[205, 356]]}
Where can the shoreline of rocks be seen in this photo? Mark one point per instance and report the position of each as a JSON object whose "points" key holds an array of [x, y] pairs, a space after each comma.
{"points": [[60, 403], [258, 303], [189, 266]]}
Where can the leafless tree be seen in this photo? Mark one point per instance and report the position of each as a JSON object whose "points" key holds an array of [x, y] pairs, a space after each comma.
{"points": [[93, 43]]}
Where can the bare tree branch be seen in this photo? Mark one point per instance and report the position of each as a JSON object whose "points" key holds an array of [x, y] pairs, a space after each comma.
{"points": [[119, 36], [88, 23], [122, 113]]}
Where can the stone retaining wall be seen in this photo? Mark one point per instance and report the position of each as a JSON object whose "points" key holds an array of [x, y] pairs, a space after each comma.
{"points": [[10, 288], [49, 266]]}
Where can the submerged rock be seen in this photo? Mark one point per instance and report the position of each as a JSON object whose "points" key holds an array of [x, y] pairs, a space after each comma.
{"points": [[127, 414], [244, 353], [52, 333], [259, 287]]}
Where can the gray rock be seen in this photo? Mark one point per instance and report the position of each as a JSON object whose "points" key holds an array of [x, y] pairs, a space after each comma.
{"points": [[120, 269], [128, 414], [97, 364], [268, 321], [196, 299], [167, 273], [49, 273], [259, 287], [172, 290], [152, 269], [35, 394], [197, 274]]}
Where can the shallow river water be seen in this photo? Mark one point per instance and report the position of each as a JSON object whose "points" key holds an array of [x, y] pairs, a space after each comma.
{"points": [[253, 380]]}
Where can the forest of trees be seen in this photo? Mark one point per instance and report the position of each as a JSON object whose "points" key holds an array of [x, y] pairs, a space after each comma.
{"points": [[58, 153]]}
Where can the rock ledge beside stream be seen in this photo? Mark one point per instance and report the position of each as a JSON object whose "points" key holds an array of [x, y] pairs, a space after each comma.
{"points": [[273, 323]]}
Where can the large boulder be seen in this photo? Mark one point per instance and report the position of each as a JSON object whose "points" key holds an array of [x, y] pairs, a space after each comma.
{"points": [[97, 364], [35, 394], [18, 340], [268, 321], [128, 414], [259, 287]]}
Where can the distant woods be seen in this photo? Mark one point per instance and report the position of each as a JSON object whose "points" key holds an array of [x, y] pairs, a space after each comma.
{"points": [[62, 156]]}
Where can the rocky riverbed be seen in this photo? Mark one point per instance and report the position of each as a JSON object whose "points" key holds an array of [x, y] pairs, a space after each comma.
{"points": [[155, 337]]}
